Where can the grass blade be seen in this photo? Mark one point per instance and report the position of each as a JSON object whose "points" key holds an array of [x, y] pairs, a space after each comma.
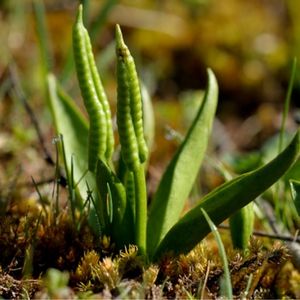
{"points": [[182, 171], [225, 281], [247, 290], [278, 204], [287, 104], [42, 35], [101, 18], [225, 201], [295, 188]]}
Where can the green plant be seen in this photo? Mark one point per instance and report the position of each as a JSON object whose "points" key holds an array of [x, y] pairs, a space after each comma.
{"points": [[55, 285], [242, 222], [120, 199], [241, 226]]}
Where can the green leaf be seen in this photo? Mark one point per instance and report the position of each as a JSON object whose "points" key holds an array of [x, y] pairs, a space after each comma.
{"points": [[182, 171], [122, 222], [270, 150], [295, 188], [148, 117], [43, 37], [241, 226], [69, 122], [225, 201]]}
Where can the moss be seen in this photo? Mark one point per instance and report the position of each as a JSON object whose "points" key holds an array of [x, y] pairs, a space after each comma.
{"points": [[32, 244]]}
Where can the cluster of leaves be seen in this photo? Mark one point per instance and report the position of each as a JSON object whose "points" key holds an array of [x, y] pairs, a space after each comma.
{"points": [[164, 228], [105, 192]]}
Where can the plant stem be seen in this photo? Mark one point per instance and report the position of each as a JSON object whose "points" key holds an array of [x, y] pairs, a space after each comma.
{"points": [[287, 102], [140, 209]]}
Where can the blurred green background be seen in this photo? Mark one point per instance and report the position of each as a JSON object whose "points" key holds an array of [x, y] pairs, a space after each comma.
{"points": [[250, 46]]}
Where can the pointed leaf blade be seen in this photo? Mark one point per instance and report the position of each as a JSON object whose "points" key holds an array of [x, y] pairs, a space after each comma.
{"points": [[226, 200], [181, 173], [69, 122]]}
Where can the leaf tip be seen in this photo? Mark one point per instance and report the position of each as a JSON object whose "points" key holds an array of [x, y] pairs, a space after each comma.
{"points": [[212, 80]]}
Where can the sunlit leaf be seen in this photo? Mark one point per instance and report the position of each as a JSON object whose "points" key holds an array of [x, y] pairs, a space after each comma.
{"points": [[182, 171], [226, 200], [70, 123]]}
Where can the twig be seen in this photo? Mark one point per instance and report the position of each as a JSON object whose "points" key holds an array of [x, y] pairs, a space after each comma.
{"points": [[293, 247], [8, 195], [287, 238], [61, 180], [21, 96]]}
